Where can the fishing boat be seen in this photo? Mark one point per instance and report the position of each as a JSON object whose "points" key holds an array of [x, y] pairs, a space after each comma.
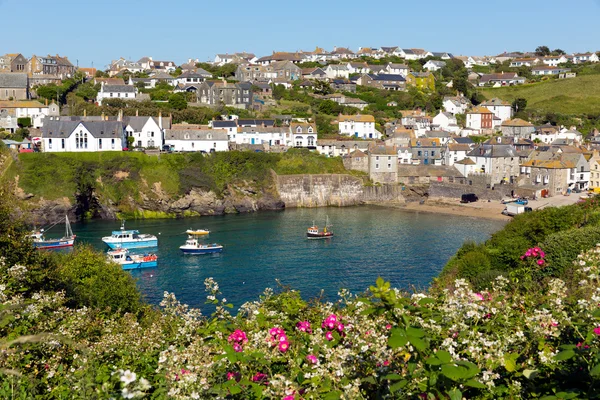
{"points": [[132, 261], [41, 242], [129, 239], [192, 246], [197, 232], [314, 233]]}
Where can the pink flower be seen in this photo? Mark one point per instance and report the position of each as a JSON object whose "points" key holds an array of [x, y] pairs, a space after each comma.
{"points": [[597, 331], [386, 363], [237, 348], [522, 257], [283, 338], [284, 346], [238, 336], [340, 327], [479, 296], [233, 375], [260, 378], [388, 327], [329, 336], [184, 371], [274, 331], [290, 397], [304, 326], [312, 359], [540, 262]]}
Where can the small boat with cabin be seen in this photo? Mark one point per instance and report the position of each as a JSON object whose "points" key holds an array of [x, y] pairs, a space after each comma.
{"points": [[197, 232], [192, 246], [132, 261], [42, 243], [129, 239], [314, 233]]}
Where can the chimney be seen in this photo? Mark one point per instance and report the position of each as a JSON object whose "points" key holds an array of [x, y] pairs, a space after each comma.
{"points": [[120, 117], [46, 102], [137, 113], [160, 125], [84, 113], [102, 116]]}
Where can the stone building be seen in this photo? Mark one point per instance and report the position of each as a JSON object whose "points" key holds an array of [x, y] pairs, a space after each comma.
{"points": [[14, 86], [517, 128], [383, 164]]}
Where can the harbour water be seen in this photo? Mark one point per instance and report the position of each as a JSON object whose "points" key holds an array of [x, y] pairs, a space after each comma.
{"points": [[408, 249]]}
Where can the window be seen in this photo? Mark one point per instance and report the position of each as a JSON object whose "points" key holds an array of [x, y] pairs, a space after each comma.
{"points": [[389, 158], [214, 145], [377, 158], [376, 166], [62, 143], [432, 153], [100, 143], [112, 143], [389, 166], [419, 153], [49, 143], [426, 153]]}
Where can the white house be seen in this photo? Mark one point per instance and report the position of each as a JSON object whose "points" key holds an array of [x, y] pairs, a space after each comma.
{"points": [[433, 65], [13, 110], [579, 58], [203, 140], [500, 108], [337, 148], [456, 105], [273, 136], [360, 126], [397, 69], [480, 119], [192, 77], [124, 92], [303, 134], [147, 132], [455, 152], [404, 155], [335, 71], [446, 121], [61, 135], [548, 70], [553, 61], [358, 68], [230, 126]]}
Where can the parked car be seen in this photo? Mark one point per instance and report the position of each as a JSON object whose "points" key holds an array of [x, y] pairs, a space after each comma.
{"points": [[469, 198]]}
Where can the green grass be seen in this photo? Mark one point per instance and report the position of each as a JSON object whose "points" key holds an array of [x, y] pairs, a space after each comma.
{"points": [[580, 95]]}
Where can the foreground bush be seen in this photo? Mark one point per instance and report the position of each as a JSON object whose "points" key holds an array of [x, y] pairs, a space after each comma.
{"points": [[502, 342]]}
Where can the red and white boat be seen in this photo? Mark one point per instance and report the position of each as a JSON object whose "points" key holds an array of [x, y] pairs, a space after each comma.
{"points": [[314, 233]]}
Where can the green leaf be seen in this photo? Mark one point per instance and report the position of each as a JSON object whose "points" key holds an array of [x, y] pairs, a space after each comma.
{"points": [[392, 377], [596, 313], [433, 361], [455, 394], [444, 356], [368, 311], [419, 344], [530, 373], [332, 396], [475, 384], [414, 332], [398, 385], [564, 355], [425, 301], [453, 372], [370, 379], [510, 361], [397, 339], [235, 389], [379, 282], [595, 371]]}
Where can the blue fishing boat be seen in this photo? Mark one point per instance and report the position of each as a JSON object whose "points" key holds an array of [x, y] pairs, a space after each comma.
{"points": [[192, 246], [129, 239], [132, 261], [42, 243]]}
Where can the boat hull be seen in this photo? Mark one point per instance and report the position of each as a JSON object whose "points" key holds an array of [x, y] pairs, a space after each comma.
{"points": [[54, 244], [139, 265], [132, 245], [319, 235], [199, 251]]}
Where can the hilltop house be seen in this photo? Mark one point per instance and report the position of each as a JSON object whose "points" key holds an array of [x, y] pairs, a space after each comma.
{"points": [[196, 139], [60, 135], [360, 126], [501, 79], [433, 65], [13, 63], [517, 128], [383, 81], [124, 92], [397, 69], [14, 86], [224, 93], [11, 111], [456, 105], [57, 66], [335, 71], [500, 108]]}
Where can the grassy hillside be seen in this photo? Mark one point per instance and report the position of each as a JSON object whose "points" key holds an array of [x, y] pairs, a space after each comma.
{"points": [[580, 95], [118, 175]]}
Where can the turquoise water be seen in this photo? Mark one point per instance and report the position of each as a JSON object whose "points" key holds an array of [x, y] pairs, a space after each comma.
{"points": [[406, 248]]}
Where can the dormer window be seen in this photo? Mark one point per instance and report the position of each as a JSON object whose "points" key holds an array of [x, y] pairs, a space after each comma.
{"points": [[187, 136], [310, 129], [299, 129]]}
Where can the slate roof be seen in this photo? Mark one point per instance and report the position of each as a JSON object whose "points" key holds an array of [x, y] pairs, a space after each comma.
{"points": [[493, 151], [388, 77], [13, 80], [517, 122], [21, 104], [224, 124], [464, 140], [118, 89], [356, 118], [137, 123], [266, 122], [98, 129], [495, 102]]}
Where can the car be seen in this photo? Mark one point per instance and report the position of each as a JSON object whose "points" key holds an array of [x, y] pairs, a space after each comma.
{"points": [[167, 149], [138, 149], [468, 198]]}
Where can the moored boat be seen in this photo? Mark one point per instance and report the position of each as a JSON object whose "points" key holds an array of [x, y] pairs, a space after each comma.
{"points": [[132, 261], [129, 239], [314, 233], [197, 232], [192, 246], [42, 243]]}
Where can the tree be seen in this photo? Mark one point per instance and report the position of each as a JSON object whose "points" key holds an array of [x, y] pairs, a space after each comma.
{"points": [[278, 92], [130, 140], [322, 87], [177, 101], [519, 104], [558, 52], [542, 51], [87, 91], [101, 74]]}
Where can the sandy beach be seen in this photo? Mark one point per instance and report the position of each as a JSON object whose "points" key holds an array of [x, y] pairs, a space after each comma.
{"points": [[480, 209]]}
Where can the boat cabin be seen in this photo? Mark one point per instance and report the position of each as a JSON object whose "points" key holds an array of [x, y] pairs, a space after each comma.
{"points": [[125, 235]]}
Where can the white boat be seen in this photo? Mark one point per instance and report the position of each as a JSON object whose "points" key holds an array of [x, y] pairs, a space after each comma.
{"points": [[192, 246], [132, 261], [129, 239], [198, 232], [41, 242]]}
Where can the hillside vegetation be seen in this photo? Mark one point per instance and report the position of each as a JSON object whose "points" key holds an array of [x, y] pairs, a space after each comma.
{"points": [[580, 95]]}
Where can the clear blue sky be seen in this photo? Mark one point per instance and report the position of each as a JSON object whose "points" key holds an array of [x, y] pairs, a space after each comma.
{"points": [[100, 31]]}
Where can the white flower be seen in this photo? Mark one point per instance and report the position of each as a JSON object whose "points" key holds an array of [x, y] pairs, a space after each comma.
{"points": [[127, 394], [144, 384], [128, 377]]}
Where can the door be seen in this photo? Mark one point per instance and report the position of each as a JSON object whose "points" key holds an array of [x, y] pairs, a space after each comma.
{"points": [[252, 141]]}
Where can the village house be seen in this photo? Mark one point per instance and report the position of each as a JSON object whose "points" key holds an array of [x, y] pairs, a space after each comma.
{"points": [[14, 86], [433, 65], [336, 71], [501, 79], [518, 128], [360, 126], [456, 105], [579, 58], [358, 68], [270, 135], [316, 74], [480, 119], [216, 93], [524, 62], [56, 66], [61, 135], [426, 151], [147, 132], [192, 77], [383, 81], [548, 70], [197, 139], [397, 69], [230, 126], [281, 56], [303, 134], [446, 121], [383, 164], [594, 163], [554, 61], [442, 136], [236, 58], [455, 152], [124, 92], [421, 80], [549, 173], [342, 53], [500, 108], [13, 63], [498, 162], [344, 85], [339, 148], [11, 111]]}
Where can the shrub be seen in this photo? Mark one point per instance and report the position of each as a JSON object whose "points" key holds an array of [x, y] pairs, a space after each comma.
{"points": [[24, 122], [473, 263], [563, 247]]}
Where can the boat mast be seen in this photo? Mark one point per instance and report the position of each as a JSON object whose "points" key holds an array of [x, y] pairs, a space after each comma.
{"points": [[68, 230]]}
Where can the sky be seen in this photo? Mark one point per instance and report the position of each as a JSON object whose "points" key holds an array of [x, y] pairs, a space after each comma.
{"points": [[92, 33]]}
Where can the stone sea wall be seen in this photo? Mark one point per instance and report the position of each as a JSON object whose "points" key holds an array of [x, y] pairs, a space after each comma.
{"points": [[333, 190]]}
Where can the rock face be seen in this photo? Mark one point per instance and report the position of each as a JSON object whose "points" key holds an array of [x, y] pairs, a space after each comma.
{"points": [[333, 190]]}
